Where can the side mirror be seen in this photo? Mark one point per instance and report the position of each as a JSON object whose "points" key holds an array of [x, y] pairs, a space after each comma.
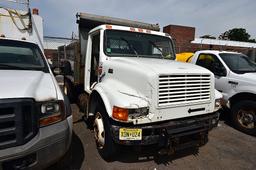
{"points": [[66, 69], [49, 61], [219, 70]]}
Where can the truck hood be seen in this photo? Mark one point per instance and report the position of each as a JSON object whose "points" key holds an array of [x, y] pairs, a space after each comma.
{"points": [[27, 84], [161, 66], [139, 76]]}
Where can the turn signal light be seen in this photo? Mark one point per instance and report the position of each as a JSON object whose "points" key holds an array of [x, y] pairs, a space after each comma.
{"points": [[109, 27], [132, 29], [140, 30], [35, 11], [120, 113], [50, 120]]}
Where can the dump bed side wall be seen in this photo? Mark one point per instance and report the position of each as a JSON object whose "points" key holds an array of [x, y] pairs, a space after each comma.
{"points": [[80, 58], [91, 21]]}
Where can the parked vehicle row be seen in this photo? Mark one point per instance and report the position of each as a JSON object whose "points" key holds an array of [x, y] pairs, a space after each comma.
{"points": [[126, 82]]}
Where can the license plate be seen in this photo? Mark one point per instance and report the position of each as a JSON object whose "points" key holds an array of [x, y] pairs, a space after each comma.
{"points": [[130, 134]]}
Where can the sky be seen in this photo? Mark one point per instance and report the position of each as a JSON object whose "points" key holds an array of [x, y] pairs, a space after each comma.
{"points": [[210, 17]]}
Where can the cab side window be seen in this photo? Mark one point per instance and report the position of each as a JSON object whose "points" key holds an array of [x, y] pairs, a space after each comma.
{"points": [[95, 58], [212, 63]]}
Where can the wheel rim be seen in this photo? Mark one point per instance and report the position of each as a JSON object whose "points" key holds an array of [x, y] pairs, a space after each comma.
{"points": [[246, 118], [99, 132]]}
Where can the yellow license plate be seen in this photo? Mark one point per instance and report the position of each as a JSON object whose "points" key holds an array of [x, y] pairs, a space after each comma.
{"points": [[130, 134]]}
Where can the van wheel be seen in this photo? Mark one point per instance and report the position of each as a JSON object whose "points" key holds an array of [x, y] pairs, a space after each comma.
{"points": [[105, 144], [244, 117]]}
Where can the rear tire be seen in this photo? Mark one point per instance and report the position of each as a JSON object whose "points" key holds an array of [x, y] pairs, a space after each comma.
{"points": [[244, 116], [105, 144]]}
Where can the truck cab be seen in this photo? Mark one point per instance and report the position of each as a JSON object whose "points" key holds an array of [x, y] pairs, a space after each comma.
{"points": [[132, 90], [235, 76], [35, 116]]}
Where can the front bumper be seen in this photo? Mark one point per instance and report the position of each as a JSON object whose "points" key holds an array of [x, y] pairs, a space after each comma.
{"points": [[161, 133], [49, 145]]}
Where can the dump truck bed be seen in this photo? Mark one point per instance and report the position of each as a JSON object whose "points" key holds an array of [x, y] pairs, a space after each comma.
{"points": [[90, 21]]}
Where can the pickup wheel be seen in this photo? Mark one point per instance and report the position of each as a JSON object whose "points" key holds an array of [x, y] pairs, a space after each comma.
{"points": [[105, 144], [244, 116]]}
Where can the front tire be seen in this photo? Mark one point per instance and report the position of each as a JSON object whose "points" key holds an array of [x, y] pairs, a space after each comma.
{"points": [[105, 144], [244, 116]]}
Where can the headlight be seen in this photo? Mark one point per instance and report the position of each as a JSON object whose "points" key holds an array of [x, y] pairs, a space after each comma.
{"points": [[51, 112], [136, 113], [48, 108], [124, 114], [217, 104]]}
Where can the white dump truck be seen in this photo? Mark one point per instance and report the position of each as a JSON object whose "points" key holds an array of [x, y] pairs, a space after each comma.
{"points": [[35, 117], [133, 92], [235, 77]]}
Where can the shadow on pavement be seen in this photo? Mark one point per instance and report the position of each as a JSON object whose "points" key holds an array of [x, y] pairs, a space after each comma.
{"points": [[74, 157], [225, 115], [77, 152], [149, 153]]}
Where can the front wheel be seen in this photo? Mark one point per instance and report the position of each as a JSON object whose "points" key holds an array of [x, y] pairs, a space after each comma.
{"points": [[69, 91], [105, 144], [244, 117]]}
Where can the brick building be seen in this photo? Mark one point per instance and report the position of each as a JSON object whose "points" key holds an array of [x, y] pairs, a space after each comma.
{"points": [[182, 36], [185, 41]]}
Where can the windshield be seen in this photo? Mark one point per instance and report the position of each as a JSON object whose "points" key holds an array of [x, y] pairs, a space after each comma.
{"points": [[134, 44], [20, 55], [238, 63]]}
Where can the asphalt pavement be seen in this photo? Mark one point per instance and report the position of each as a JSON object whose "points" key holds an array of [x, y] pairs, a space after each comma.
{"points": [[226, 149]]}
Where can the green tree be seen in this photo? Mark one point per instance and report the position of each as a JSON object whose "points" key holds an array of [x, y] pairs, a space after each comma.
{"points": [[235, 34]]}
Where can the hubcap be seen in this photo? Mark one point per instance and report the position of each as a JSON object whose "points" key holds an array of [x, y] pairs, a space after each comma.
{"points": [[99, 132], [246, 118]]}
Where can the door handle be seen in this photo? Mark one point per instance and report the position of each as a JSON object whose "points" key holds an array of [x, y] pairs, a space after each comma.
{"points": [[233, 82]]}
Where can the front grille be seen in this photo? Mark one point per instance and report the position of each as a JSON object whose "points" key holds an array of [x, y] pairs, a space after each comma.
{"points": [[18, 122], [183, 89]]}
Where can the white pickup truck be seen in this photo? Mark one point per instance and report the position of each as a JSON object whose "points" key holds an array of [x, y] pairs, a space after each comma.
{"points": [[235, 77], [127, 83], [35, 117]]}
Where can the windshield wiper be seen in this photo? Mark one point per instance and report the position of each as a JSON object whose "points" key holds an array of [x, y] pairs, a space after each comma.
{"points": [[130, 46], [151, 42], [9, 67], [12, 66]]}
